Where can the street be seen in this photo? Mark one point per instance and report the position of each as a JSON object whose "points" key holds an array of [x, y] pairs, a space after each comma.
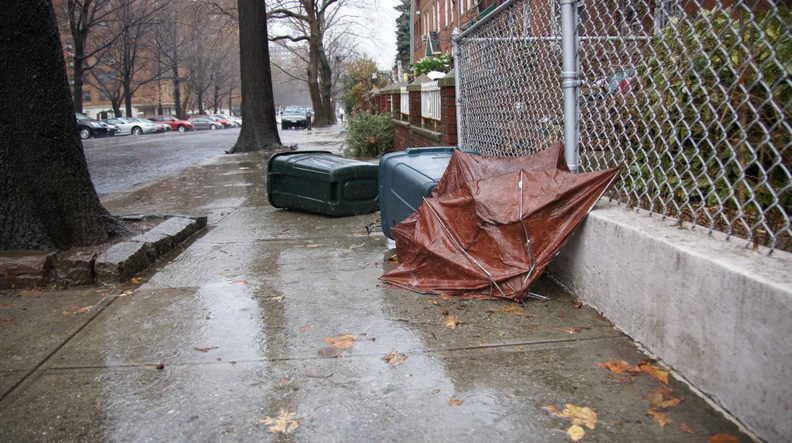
{"points": [[123, 162]]}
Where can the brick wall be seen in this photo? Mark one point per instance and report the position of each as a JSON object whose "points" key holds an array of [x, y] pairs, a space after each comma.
{"points": [[417, 132]]}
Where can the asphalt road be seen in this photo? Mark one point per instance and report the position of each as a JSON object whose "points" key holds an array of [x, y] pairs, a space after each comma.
{"points": [[123, 162]]}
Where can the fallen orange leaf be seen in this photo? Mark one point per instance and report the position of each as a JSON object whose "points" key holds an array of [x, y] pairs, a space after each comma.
{"points": [[659, 417], [663, 398], [284, 423], [577, 305], [723, 438], [514, 308], [580, 415], [452, 322], [687, 429], [455, 402], [337, 345], [658, 374], [342, 342], [619, 366]]}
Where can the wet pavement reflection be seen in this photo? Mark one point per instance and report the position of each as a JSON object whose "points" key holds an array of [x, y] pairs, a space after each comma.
{"points": [[275, 311]]}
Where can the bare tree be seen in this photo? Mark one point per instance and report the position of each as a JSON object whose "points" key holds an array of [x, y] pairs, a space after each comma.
{"points": [[86, 21], [169, 44], [47, 199], [260, 130]]}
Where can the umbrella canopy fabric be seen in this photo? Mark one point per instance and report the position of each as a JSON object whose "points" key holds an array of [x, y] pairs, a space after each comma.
{"points": [[493, 237], [464, 167]]}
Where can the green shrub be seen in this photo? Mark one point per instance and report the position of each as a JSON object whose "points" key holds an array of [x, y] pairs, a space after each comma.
{"points": [[440, 63], [368, 135]]}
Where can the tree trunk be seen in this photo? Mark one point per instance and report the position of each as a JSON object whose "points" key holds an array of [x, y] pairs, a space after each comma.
{"points": [[326, 83], [260, 130], [47, 199], [313, 81], [177, 92]]}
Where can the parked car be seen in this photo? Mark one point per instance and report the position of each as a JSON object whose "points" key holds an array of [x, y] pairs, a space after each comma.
{"points": [[158, 127], [204, 122], [295, 117], [125, 126], [88, 127], [225, 123], [233, 120], [134, 126], [174, 123]]}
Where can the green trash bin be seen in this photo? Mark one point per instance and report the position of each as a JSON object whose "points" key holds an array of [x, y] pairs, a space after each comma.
{"points": [[322, 182]]}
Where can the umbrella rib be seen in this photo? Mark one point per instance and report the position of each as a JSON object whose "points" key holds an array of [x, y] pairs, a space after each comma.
{"points": [[525, 230], [459, 246]]}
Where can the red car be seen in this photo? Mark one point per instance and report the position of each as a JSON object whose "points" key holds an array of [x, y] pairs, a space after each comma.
{"points": [[175, 123]]}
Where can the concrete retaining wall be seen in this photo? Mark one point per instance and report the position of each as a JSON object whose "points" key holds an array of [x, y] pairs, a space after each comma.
{"points": [[719, 314]]}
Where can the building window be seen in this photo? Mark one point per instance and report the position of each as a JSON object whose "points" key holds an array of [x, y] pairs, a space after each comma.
{"points": [[86, 96]]}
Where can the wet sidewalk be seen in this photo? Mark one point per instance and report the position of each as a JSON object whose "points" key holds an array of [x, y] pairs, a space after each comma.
{"points": [[272, 325]]}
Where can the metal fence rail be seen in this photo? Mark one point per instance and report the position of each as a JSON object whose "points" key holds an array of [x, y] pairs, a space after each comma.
{"points": [[430, 100], [692, 97], [404, 101]]}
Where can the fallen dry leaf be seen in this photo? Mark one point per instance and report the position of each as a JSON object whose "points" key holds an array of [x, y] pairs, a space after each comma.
{"points": [[514, 309], [394, 260], [577, 329], [65, 313], [580, 415], [659, 417], [82, 310], [345, 341], [395, 358], [723, 438], [663, 398], [445, 297], [577, 305], [337, 345], [284, 423], [686, 429], [626, 378], [452, 322], [136, 280], [575, 432], [206, 349], [455, 402], [8, 322], [658, 374], [619, 366]]}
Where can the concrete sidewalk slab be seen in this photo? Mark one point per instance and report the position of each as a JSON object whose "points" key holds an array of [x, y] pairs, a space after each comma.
{"points": [[271, 310]]}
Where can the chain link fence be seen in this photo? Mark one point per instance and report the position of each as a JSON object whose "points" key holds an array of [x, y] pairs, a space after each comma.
{"points": [[693, 97]]}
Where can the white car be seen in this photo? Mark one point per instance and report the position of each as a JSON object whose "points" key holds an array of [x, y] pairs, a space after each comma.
{"points": [[131, 126]]}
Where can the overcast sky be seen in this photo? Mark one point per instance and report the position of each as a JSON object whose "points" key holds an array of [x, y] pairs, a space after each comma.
{"points": [[382, 45]]}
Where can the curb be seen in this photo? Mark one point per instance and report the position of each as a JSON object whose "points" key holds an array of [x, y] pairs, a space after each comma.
{"points": [[84, 266]]}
